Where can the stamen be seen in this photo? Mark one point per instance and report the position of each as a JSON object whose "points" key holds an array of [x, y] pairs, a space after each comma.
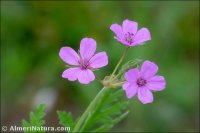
{"points": [[129, 37], [84, 64], [141, 82]]}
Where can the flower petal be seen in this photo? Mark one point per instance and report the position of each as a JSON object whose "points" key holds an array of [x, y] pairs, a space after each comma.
{"points": [[130, 89], [145, 95], [141, 36], [69, 56], [87, 48], [99, 60], [122, 41], [148, 69], [117, 29], [129, 26], [156, 83], [132, 75], [71, 74], [86, 76]]}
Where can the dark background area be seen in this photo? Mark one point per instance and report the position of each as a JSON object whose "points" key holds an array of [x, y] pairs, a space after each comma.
{"points": [[33, 32]]}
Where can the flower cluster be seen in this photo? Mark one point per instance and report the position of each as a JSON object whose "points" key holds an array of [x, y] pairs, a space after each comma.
{"points": [[137, 82]]}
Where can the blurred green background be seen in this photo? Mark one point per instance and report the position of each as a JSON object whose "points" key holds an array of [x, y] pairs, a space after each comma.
{"points": [[33, 32]]}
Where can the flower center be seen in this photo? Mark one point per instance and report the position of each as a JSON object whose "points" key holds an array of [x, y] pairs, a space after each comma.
{"points": [[129, 37], [84, 64], [141, 82]]}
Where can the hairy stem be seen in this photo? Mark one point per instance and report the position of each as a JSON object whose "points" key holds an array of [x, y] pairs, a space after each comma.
{"points": [[119, 63], [90, 108]]}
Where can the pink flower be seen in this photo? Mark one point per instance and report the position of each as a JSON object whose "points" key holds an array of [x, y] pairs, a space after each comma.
{"points": [[82, 66], [128, 35], [142, 82]]}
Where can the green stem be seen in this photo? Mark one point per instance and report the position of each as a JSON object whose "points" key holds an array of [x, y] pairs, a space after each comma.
{"points": [[118, 64], [97, 99], [97, 109], [90, 108], [117, 76]]}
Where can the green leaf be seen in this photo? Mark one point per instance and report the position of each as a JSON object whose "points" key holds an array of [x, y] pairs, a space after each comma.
{"points": [[115, 108], [103, 128], [106, 127], [25, 123], [111, 110], [65, 119], [36, 119]]}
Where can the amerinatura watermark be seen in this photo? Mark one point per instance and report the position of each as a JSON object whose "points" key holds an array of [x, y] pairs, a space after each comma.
{"points": [[34, 129]]}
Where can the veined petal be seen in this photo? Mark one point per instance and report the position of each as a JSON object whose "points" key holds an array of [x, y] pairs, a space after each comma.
{"points": [[145, 95], [117, 29], [129, 26], [132, 75], [156, 83], [122, 41], [99, 60], [86, 76], [142, 36], [130, 89], [69, 56], [148, 69], [87, 48], [71, 74]]}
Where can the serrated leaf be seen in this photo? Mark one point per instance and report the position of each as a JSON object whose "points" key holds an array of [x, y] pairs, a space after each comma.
{"points": [[25, 123], [36, 119], [66, 119]]}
